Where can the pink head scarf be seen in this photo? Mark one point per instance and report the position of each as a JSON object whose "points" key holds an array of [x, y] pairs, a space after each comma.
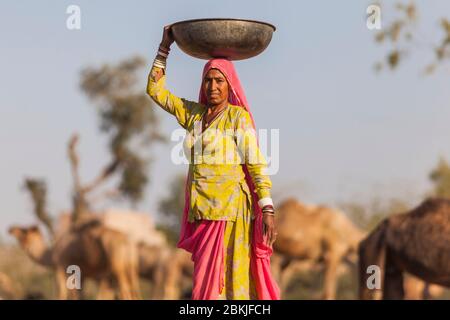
{"points": [[236, 94], [206, 240]]}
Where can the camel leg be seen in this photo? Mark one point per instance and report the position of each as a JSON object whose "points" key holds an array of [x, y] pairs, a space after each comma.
{"points": [[332, 261], [286, 275], [123, 261], [120, 274], [133, 275], [158, 283], [275, 263], [124, 286], [172, 279], [290, 269], [61, 284], [128, 273], [393, 286], [393, 281], [105, 289], [132, 270], [135, 287]]}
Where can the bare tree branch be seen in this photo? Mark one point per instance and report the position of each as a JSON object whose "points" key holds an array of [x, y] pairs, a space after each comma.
{"points": [[79, 203], [74, 161], [38, 192], [104, 175]]}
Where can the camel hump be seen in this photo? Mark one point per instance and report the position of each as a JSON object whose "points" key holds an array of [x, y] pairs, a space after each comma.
{"points": [[289, 202], [293, 203], [139, 226], [432, 206], [342, 222]]}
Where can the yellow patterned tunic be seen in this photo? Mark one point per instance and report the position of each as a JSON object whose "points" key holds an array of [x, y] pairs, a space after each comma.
{"points": [[218, 190], [216, 178]]}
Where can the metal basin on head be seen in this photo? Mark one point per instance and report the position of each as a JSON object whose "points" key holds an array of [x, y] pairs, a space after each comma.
{"points": [[233, 39]]}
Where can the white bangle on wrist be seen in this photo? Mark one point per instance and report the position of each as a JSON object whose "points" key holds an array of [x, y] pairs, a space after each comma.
{"points": [[264, 202]]}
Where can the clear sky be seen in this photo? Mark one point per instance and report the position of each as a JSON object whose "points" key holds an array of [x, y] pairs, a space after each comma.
{"points": [[346, 132]]}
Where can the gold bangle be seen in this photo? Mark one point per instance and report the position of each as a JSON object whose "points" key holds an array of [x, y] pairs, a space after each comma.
{"points": [[269, 214], [159, 63]]}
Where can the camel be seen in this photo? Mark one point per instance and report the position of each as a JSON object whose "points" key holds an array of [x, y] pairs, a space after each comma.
{"points": [[311, 234], [101, 253], [153, 251], [417, 242], [169, 270]]}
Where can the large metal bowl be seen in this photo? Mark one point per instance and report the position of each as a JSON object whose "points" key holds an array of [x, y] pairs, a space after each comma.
{"points": [[234, 39]]}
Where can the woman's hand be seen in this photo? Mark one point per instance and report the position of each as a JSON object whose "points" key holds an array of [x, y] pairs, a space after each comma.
{"points": [[167, 38], [269, 229]]}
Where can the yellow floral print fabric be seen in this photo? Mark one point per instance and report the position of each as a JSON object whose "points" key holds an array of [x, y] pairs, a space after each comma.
{"points": [[238, 282]]}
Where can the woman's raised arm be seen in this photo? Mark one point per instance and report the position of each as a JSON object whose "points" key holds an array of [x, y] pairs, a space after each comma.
{"points": [[156, 85]]}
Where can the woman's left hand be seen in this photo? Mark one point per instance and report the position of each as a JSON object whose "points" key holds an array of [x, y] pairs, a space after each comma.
{"points": [[269, 229]]}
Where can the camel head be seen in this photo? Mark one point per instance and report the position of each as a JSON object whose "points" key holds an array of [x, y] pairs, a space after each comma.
{"points": [[27, 236]]}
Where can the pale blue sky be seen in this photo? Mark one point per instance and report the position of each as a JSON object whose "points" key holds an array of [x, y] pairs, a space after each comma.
{"points": [[345, 131]]}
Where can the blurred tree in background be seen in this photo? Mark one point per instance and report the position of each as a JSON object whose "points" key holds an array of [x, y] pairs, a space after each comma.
{"points": [[440, 176], [403, 37], [127, 117], [38, 192], [366, 216]]}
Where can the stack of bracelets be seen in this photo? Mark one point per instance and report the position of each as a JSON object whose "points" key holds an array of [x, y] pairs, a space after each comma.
{"points": [[268, 210], [163, 52]]}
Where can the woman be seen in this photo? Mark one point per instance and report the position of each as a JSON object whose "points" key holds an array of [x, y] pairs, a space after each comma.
{"points": [[228, 220]]}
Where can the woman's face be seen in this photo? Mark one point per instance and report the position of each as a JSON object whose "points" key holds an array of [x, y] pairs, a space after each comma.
{"points": [[215, 86]]}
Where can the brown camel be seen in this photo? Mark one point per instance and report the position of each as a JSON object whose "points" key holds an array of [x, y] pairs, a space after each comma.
{"points": [[311, 234], [153, 250], [417, 242], [169, 270], [101, 253]]}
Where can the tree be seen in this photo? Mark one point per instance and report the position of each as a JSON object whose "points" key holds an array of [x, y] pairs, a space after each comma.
{"points": [[440, 177], [38, 191], [127, 116], [403, 38], [368, 215]]}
